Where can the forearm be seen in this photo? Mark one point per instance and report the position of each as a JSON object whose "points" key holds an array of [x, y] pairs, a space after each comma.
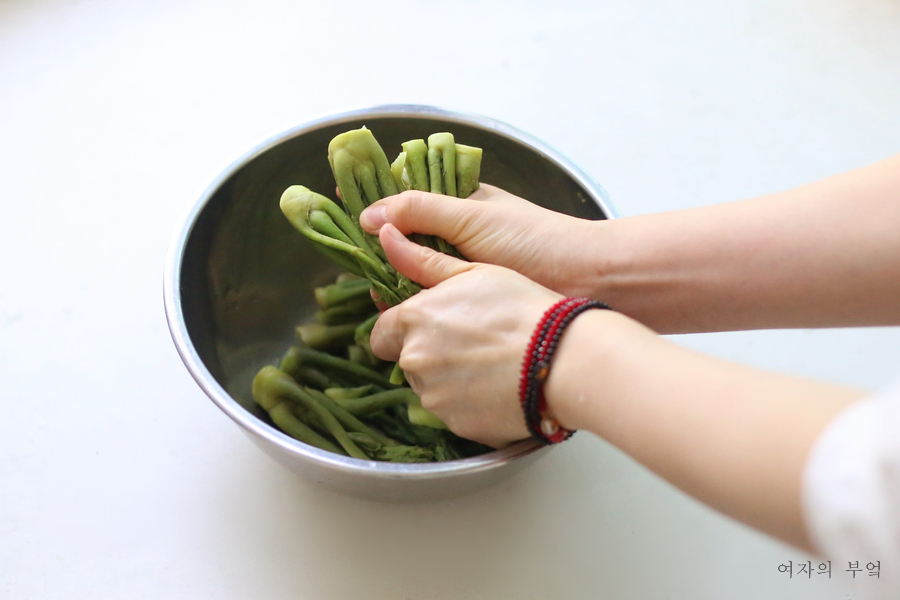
{"points": [[733, 437], [826, 254]]}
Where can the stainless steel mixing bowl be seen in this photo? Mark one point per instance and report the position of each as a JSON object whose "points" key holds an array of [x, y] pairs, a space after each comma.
{"points": [[239, 278]]}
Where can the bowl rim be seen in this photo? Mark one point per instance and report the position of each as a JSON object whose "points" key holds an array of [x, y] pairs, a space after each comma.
{"points": [[259, 428]]}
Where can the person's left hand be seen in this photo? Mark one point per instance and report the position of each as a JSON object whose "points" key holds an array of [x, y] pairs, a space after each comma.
{"points": [[461, 341]]}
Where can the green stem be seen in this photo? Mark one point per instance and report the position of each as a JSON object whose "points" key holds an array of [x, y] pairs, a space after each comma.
{"points": [[285, 420], [299, 204], [424, 417], [362, 172], [340, 315], [468, 169], [270, 385], [349, 312], [321, 220], [305, 374], [363, 336], [397, 377], [346, 368], [344, 393], [345, 277], [367, 405], [442, 163], [411, 172], [364, 331], [360, 356], [397, 171], [331, 295], [416, 168], [326, 337], [347, 419]]}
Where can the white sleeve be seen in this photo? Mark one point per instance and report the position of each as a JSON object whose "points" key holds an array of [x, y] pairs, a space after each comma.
{"points": [[851, 488]]}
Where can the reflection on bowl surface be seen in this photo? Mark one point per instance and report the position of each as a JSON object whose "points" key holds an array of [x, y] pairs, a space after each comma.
{"points": [[239, 278]]}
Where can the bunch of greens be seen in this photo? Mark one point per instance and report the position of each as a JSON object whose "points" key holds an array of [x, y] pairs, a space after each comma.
{"points": [[331, 391], [364, 176]]}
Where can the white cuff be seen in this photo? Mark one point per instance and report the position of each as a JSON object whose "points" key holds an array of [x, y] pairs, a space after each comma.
{"points": [[851, 487]]}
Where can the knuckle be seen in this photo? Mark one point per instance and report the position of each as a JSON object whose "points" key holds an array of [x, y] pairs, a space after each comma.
{"points": [[462, 227], [412, 363], [384, 323], [378, 344], [416, 309], [384, 332], [407, 205], [416, 355], [431, 259], [405, 314]]}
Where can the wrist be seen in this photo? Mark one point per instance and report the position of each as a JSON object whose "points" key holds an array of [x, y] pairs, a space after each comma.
{"points": [[589, 275], [630, 264], [584, 364]]}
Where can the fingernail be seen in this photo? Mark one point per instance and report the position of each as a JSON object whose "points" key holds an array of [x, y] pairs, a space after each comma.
{"points": [[373, 218]]}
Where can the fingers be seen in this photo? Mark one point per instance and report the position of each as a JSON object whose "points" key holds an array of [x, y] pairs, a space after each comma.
{"points": [[387, 335], [419, 212], [423, 265]]}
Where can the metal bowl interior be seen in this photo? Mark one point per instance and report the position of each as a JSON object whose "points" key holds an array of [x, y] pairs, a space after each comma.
{"points": [[239, 279]]}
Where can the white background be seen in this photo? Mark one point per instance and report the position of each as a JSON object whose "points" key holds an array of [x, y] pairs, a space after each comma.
{"points": [[119, 479]]}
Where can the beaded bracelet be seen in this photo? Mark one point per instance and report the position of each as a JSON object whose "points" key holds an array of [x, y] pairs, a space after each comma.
{"points": [[536, 368]]}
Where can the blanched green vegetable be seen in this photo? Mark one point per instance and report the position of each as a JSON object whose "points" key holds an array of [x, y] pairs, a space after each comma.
{"points": [[396, 453], [300, 412], [351, 311], [281, 414], [357, 355], [346, 393], [468, 169], [345, 369], [418, 415], [347, 419], [338, 237], [442, 163], [453, 170], [362, 172], [398, 168], [332, 388], [362, 337], [305, 374], [271, 385], [326, 337], [339, 293], [410, 170], [364, 406], [345, 277]]}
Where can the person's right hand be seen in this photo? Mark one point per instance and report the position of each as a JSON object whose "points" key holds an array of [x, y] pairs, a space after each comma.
{"points": [[493, 226]]}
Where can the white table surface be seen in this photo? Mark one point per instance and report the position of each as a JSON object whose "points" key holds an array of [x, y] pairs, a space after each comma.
{"points": [[120, 479]]}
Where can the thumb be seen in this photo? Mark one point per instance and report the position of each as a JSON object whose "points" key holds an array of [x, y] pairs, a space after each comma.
{"points": [[423, 265], [419, 212]]}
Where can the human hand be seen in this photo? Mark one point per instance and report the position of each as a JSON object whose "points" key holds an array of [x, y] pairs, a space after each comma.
{"points": [[493, 226], [460, 341]]}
